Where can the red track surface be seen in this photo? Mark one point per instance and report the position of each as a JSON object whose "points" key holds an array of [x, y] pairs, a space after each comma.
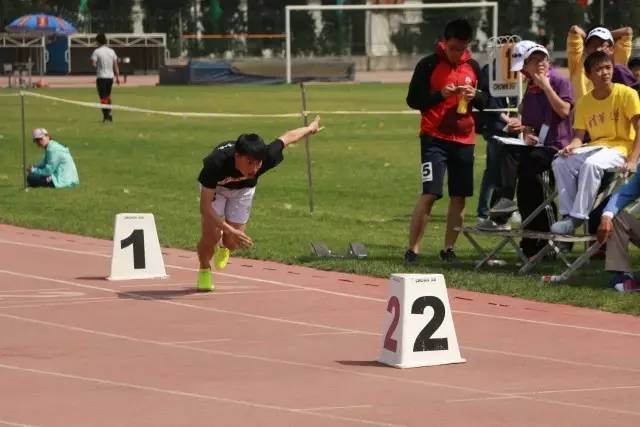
{"points": [[279, 345]]}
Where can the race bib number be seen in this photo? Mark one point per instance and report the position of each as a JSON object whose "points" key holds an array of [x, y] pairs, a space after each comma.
{"points": [[427, 172]]}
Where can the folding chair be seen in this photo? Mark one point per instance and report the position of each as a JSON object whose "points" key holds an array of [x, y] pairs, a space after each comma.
{"points": [[508, 237], [610, 182], [591, 245]]}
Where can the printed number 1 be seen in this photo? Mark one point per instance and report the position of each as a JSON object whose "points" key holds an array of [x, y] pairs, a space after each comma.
{"points": [[136, 238]]}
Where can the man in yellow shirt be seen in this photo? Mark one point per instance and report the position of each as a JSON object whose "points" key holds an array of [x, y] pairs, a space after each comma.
{"points": [[617, 44], [610, 113]]}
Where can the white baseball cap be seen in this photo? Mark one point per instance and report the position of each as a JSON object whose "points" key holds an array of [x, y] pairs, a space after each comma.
{"points": [[601, 33], [517, 54], [533, 49], [39, 133]]}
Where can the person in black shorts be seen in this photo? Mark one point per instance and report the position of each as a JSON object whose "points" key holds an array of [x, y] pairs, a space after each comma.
{"points": [[227, 185], [443, 88], [105, 61]]}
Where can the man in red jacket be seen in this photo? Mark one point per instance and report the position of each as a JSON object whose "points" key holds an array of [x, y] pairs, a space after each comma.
{"points": [[443, 88]]}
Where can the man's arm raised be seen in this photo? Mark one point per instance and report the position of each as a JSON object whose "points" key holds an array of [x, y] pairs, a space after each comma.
{"points": [[295, 135]]}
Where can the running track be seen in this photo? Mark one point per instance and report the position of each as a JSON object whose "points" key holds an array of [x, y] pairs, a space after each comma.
{"points": [[278, 345]]}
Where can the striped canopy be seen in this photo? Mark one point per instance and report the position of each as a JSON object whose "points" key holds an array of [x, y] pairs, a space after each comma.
{"points": [[42, 24]]}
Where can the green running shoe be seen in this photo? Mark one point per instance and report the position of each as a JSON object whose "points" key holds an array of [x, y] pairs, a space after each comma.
{"points": [[221, 257], [205, 281]]}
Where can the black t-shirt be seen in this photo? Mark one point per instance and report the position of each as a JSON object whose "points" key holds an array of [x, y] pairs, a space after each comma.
{"points": [[219, 166]]}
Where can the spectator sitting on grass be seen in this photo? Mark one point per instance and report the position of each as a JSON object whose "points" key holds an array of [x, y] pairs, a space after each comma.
{"points": [[57, 169]]}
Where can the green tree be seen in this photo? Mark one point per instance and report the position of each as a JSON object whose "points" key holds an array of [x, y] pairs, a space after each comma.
{"points": [[559, 16], [514, 17], [434, 20], [617, 13]]}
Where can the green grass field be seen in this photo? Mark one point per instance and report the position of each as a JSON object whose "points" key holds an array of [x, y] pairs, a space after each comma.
{"points": [[365, 171]]}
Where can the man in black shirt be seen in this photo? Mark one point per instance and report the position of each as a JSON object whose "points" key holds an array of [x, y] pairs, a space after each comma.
{"points": [[228, 180]]}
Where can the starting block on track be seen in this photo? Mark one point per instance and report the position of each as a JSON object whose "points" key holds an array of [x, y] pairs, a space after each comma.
{"points": [[136, 248], [418, 328], [354, 250]]}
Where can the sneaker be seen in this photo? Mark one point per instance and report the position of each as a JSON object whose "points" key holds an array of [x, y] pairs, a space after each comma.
{"points": [[489, 225], [624, 282], [504, 206], [516, 218], [565, 226], [448, 255], [410, 257], [221, 257], [205, 281]]}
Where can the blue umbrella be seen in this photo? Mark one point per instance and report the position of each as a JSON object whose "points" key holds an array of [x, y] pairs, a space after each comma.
{"points": [[42, 24]]}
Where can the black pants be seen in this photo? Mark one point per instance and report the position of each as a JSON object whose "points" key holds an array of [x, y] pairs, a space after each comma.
{"points": [[521, 169], [34, 180], [104, 92]]}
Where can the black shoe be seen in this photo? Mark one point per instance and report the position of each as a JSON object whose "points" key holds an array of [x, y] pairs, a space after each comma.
{"points": [[410, 257], [449, 255]]}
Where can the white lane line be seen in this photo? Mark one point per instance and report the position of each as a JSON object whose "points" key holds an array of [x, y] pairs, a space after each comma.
{"points": [[165, 285], [334, 408], [313, 334], [303, 364], [44, 294], [66, 302], [258, 291], [188, 394], [199, 341], [558, 391], [141, 296], [12, 424], [555, 402], [360, 297], [300, 323], [32, 290], [549, 359]]}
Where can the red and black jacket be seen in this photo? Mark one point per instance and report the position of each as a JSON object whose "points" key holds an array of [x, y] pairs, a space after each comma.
{"points": [[439, 116]]}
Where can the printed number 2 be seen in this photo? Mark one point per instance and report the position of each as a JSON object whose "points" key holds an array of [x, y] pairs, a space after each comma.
{"points": [[424, 342], [392, 307], [136, 238]]}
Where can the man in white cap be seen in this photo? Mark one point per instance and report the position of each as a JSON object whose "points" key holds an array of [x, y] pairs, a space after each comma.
{"points": [[57, 169], [545, 123], [617, 44]]}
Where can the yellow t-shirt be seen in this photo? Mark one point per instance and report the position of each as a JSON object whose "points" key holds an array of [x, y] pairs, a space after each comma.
{"points": [[608, 120], [575, 49]]}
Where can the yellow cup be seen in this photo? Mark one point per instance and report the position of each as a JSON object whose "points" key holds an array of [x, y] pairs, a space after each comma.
{"points": [[462, 105]]}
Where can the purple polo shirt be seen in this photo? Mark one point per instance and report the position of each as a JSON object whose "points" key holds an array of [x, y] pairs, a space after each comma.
{"points": [[537, 111], [623, 75]]}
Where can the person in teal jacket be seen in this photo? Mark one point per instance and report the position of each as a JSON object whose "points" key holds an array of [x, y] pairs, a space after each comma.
{"points": [[57, 169]]}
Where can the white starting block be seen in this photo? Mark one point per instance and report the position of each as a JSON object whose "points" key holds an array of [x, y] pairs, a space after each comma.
{"points": [[136, 248], [419, 328]]}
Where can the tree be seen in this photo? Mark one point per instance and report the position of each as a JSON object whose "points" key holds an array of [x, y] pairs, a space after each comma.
{"points": [[617, 13], [514, 17], [559, 16], [434, 20]]}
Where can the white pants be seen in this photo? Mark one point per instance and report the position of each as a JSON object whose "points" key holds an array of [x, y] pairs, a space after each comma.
{"points": [[578, 178], [233, 205]]}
